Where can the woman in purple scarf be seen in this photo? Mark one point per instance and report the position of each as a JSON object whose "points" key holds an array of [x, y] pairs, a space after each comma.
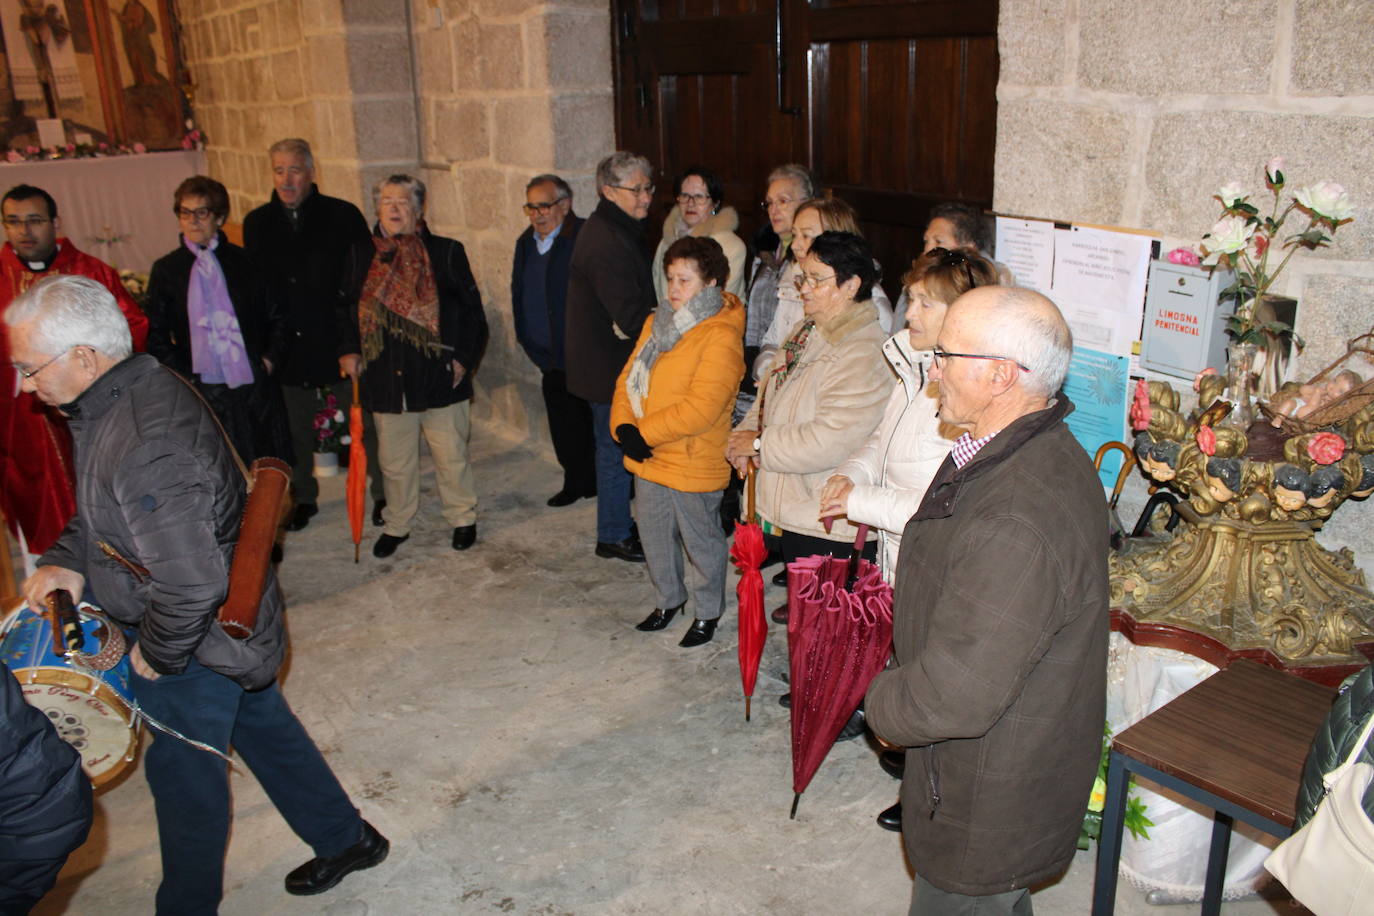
{"points": [[210, 319]]}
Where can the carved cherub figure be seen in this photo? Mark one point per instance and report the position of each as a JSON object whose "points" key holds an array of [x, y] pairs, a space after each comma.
{"points": [[1290, 485], [1323, 486], [1223, 478]]}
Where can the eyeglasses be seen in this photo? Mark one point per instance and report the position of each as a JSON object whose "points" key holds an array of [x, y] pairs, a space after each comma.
{"points": [[22, 222], [942, 355], [806, 280], [769, 203], [685, 199], [30, 373], [541, 209], [199, 214], [645, 190]]}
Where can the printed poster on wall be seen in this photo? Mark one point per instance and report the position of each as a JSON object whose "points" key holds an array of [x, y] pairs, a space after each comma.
{"points": [[1098, 385]]}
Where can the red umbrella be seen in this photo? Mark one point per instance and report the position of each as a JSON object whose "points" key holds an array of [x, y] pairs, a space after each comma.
{"points": [[839, 636], [357, 470], [748, 552]]}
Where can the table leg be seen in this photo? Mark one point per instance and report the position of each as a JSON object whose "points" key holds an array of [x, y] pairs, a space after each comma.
{"points": [[1216, 865], [1109, 841]]}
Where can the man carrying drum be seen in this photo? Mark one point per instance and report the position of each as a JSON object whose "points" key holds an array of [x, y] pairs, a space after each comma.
{"points": [[158, 504]]}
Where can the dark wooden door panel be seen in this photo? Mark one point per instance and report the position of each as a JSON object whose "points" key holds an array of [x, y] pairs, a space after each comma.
{"points": [[892, 103]]}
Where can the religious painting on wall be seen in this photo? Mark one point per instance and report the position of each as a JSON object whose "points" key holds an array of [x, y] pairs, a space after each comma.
{"points": [[76, 74]]}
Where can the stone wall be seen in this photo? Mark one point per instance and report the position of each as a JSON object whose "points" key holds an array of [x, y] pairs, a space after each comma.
{"points": [[1134, 114]]}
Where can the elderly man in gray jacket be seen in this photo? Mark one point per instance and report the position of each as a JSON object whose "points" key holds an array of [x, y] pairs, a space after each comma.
{"points": [[1000, 620], [158, 503]]}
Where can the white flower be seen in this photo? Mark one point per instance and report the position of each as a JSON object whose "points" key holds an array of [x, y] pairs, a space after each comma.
{"points": [[1229, 235], [1328, 199], [1273, 170], [338, 416], [1232, 193]]}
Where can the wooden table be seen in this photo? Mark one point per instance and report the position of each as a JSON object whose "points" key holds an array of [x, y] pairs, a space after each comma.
{"points": [[1236, 742]]}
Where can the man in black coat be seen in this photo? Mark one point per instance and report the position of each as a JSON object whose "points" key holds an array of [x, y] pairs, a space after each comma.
{"points": [[538, 294], [301, 239], [610, 294], [158, 504], [45, 800]]}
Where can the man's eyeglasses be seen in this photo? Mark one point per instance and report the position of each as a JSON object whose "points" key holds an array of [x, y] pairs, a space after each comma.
{"points": [[541, 209], [21, 222], [942, 355], [646, 190], [686, 199], [30, 373], [199, 214]]}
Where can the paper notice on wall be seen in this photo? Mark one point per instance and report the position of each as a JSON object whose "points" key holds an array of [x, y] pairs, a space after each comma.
{"points": [[1026, 246], [1097, 384], [1099, 285]]}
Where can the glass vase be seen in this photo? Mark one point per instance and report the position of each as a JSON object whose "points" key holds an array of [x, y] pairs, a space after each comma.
{"points": [[1240, 384]]}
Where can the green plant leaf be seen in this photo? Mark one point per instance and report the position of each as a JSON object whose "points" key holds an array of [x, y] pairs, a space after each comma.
{"points": [[1136, 821]]}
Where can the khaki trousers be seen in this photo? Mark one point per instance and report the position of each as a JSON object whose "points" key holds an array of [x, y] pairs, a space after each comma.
{"points": [[446, 430]]}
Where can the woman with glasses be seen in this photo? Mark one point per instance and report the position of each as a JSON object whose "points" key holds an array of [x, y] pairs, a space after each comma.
{"points": [[211, 320], [820, 400], [699, 212], [882, 482], [820, 214], [671, 415]]}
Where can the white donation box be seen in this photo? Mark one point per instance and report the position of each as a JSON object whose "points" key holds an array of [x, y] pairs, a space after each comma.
{"points": [[1185, 326]]}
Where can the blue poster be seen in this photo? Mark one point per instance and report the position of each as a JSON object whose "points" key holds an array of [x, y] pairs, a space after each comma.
{"points": [[1099, 386]]}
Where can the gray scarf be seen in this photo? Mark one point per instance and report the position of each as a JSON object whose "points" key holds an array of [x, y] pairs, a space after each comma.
{"points": [[669, 326]]}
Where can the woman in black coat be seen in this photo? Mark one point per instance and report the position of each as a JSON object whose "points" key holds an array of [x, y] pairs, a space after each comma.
{"points": [[239, 336]]}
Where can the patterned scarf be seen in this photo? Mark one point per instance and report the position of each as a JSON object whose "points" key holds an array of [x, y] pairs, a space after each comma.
{"points": [[399, 297], [791, 354], [218, 356], [669, 326]]}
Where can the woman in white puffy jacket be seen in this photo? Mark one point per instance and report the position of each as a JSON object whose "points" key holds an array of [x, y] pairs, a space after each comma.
{"points": [[882, 483]]}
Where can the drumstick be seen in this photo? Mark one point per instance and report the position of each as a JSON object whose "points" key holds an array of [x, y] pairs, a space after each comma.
{"points": [[66, 625]]}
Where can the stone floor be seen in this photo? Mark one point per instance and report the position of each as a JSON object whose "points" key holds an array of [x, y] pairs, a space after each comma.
{"points": [[527, 751]]}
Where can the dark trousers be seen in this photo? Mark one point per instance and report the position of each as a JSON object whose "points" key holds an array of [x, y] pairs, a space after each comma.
{"points": [[613, 482], [301, 406], [191, 787], [794, 546], [570, 427]]}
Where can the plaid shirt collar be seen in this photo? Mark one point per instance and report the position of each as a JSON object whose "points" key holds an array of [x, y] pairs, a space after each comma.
{"points": [[965, 447]]}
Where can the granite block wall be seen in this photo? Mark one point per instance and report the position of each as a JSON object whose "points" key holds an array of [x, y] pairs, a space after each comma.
{"points": [[1134, 114]]}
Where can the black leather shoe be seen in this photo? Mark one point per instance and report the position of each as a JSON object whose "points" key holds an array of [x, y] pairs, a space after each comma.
{"points": [[562, 498], [893, 763], [699, 633], [781, 578], [301, 517], [891, 818], [377, 507], [386, 545], [319, 875], [464, 536], [659, 619], [628, 550], [779, 614], [276, 553], [853, 728], [785, 701]]}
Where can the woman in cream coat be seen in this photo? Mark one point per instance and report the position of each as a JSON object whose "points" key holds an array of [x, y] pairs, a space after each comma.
{"points": [[700, 213], [820, 399]]}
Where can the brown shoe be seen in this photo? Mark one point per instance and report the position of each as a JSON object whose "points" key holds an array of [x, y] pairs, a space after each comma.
{"points": [[779, 614]]}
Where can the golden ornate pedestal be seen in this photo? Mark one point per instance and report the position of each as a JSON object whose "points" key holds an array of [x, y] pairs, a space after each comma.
{"points": [[1262, 589]]}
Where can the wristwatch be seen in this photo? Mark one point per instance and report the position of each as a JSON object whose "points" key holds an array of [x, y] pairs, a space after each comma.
{"points": [[758, 444]]}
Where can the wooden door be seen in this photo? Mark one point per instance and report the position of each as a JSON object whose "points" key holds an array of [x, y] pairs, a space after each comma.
{"points": [[891, 103]]}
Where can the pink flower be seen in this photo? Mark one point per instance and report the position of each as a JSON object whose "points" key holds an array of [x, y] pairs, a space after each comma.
{"points": [[1140, 406], [187, 143], [1185, 256], [140, 148], [30, 150], [1325, 448], [1197, 379], [1206, 441], [14, 156], [71, 147], [1259, 244]]}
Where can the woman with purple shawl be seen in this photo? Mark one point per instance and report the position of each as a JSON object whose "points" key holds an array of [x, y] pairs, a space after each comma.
{"points": [[211, 320]]}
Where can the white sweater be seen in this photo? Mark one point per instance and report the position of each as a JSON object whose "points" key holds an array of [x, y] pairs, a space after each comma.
{"points": [[892, 469]]}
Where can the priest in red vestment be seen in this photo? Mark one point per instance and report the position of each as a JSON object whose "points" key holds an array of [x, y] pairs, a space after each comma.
{"points": [[35, 447]]}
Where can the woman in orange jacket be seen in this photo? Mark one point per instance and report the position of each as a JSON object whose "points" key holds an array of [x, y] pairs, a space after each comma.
{"points": [[671, 415]]}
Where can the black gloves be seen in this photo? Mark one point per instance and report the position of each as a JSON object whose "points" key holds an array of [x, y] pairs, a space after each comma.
{"points": [[632, 442]]}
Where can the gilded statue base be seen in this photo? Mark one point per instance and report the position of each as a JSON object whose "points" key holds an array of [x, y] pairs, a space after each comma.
{"points": [[1256, 587]]}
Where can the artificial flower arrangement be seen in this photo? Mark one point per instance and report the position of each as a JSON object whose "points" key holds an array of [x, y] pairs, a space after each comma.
{"points": [[136, 283], [331, 425], [1246, 240], [194, 138]]}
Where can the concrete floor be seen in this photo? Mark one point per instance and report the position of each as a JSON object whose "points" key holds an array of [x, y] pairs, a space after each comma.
{"points": [[495, 714]]}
